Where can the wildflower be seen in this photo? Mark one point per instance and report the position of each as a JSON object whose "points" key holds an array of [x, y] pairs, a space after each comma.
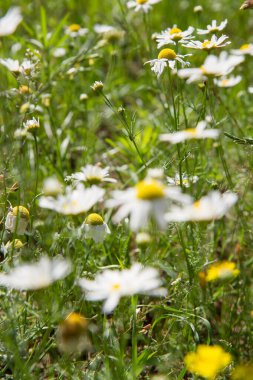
{"points": [[75, 30], [143, 239], [213, 28], [95, 228], [243, 372], [92, 174], [23, 89], [71, 334], [28, 67], [200, 132], [221, 271], [167, 58], [207, 361], [173, 36], [83, 97], [148, 199], [208, 45], [59, 52], [32, 125], [186, 181], [101, 29], [142, 5], [97, 86], [14, 244], [212, 206], [247, 5], [52, 187], [212, 67], [73, 202], [198, 9], [12, 65], [110, 285], [245, 49], [228, 82], [17, 220], [37, 275], [10, 22]]}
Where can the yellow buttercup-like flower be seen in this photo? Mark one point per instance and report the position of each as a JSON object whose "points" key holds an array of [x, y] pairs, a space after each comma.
{"points": [[207, 361], [221, 270]]}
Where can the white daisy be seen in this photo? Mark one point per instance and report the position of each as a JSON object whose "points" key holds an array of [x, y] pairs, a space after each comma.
{"points": [[228, 82], [75, 201], [110, 285], [75, 30], [31, 125], [93, 174], [213, 206], [36, 276], [173, 36], [148, 199], [17, 220], [167, 58], [12, 65], [95, 228], [200, 132], [245, 49], [10, 22], [52, 186], [215, 42], [212, 67], [186, 181], [213, 28], [142, 5]]}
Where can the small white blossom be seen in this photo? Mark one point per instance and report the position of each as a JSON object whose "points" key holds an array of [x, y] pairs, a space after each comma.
{"points": [[215, 42], [245, 49], [52, 186], [10, 22], [36, 276], [75, 30], [73, 202], [200, 132], [12, 65], [173, 36], [228, 82], [213, 206], [110, 285], [92, 174], [186, 181], [213, 28], [142, 5], [95, 228]]}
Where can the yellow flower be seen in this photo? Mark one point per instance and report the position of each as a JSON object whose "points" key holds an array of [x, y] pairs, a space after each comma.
{"points": [[207, 361], [243, 372], [221, 270]]}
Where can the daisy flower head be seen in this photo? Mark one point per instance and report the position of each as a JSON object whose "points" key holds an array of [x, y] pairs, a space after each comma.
{"points": [[92, 174], [221, 271], [141, 5], [228, 82], [210, 207], [148, 199], [10, 22], [74, 201], [200, 132], [75, 30], [95, 228], [167, 58], [37, 275], [207, 361], [245, 49], [186, 181], [17, 220], [173, 36], [31, 125], [110, 285], [208, 45], [213, 67], [213, 28], [12, 65]]}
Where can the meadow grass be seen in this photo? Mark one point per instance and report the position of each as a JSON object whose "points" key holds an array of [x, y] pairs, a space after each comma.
{"points": [[119, 127]]}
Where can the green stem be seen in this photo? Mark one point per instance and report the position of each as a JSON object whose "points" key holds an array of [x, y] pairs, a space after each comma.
{"points": [[134, 338]]}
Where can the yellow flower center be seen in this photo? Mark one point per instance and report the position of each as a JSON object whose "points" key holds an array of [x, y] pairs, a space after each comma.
{"points": [[115, 287], [176, 33], [191, 131], [94, 220], [205, 45], [197, 205], [21, 211], [245, 47], [167, 54], [150, 190], [74, 27], [141, 1], [93, 180], [224, 82], [76, 318], [222, 270]]}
